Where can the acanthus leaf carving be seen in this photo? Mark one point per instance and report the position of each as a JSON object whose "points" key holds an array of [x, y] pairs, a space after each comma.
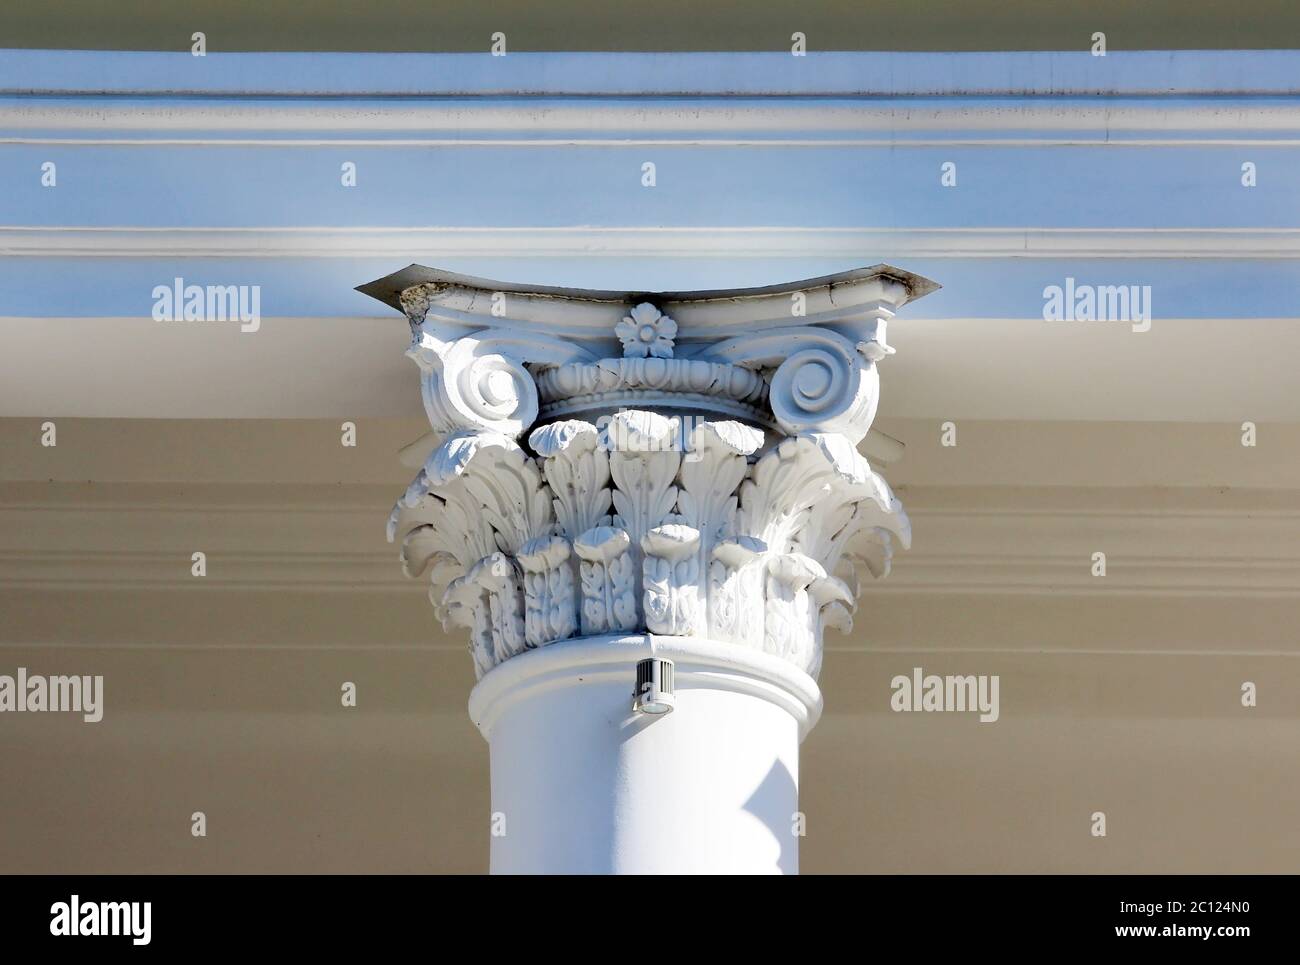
{"points": [[833, 604], [699, 543], [465, 604], [644, 456], [507, 484], [419, 546], [552, 606], [577, 468], [791, 614], [608, 583], [784, 485], [712, 469], [754, 529], [500, 576], [736, 589], [672, 580]]}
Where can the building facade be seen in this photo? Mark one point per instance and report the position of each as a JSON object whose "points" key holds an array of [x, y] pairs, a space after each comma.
{"points": [[1091, 419]]}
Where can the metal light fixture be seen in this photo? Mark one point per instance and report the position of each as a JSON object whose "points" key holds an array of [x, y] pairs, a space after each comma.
{"points": [[654, 687]]}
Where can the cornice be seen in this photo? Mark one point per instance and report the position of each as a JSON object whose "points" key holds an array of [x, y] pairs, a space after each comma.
{"points": [[712, 121], [522, 241]]}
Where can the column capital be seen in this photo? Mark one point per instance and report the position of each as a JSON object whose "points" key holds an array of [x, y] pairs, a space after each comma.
{"points": [[674, 463]]}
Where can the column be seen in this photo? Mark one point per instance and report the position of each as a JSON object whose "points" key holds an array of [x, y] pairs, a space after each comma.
{"points": [[644, 511]]}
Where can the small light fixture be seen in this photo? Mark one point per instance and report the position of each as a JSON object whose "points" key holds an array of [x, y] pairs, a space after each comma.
{"points": [[654, 687]]}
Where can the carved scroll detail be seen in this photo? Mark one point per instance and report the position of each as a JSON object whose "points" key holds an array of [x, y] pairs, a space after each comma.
{"points": [[820, 380]]}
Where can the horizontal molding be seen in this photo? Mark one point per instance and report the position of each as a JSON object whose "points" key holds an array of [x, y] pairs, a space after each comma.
{"points": [[993, 569], [1038, 574], [892, 73], [244, 570], [1085, 139], [622, 122], [650, 241], [967, 540]]}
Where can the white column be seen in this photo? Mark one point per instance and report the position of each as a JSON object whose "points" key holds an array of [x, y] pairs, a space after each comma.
{"points": [[582, 784], [617, 479]]}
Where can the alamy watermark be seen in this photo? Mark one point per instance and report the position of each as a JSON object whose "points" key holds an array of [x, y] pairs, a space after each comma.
{"points": [[1073, 302], [953, 693], [74, 694], [126, 918], [180, 302]]}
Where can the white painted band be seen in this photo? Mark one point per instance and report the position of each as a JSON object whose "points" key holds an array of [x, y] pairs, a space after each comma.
{"points": [[699, 664]]}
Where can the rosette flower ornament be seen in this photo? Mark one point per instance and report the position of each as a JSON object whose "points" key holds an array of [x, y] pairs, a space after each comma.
{"points": [[646, 332]]}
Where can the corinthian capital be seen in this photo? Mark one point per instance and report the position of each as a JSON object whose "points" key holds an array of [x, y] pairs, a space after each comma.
{"points": [[682, 464]]}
